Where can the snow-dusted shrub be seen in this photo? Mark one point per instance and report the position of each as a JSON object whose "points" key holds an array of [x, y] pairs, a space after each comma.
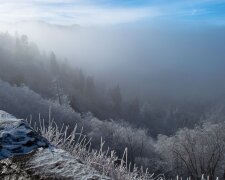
{"points": [[194, 152], [78, 144], [120, 135]]}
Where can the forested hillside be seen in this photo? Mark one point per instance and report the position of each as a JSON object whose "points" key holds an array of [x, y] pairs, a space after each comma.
{"points": [[32, 82]]}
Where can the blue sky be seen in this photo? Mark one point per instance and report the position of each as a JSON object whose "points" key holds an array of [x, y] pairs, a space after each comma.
{"points": [[113, 12]]}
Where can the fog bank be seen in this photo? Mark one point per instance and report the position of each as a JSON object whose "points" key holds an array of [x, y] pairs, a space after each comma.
{"points": [[162, 61]]}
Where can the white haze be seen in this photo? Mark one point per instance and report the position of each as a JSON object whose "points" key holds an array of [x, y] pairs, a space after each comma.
{"points": [[172, 62]]}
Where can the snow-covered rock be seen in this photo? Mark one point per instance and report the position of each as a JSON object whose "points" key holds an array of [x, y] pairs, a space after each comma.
{"points": [[24, 154], [17, 137]]}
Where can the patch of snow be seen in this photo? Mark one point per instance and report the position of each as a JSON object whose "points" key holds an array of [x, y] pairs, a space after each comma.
{"points": [[5, 115], [59, 163]]}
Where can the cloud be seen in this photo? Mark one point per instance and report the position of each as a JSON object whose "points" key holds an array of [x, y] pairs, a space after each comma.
{"points": [[68, 12], [94, 15], [103, 12]]}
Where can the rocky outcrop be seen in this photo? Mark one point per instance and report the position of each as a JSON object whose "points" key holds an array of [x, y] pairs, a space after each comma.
{"points": [[24, 154], [17, 137]]}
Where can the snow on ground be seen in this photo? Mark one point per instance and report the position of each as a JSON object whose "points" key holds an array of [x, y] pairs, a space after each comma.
{"points": [[60, 164], [5, 115]]}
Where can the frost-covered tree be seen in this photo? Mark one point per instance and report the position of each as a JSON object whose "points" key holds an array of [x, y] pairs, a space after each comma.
{"points": [[194, 152], [116, 98]]}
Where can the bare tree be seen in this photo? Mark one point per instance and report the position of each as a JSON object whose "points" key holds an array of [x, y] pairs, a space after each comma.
{"points": [[200, 149]]}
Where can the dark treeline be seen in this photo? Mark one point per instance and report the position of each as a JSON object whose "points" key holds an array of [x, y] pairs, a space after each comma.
{"points": [[31, 81]]}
